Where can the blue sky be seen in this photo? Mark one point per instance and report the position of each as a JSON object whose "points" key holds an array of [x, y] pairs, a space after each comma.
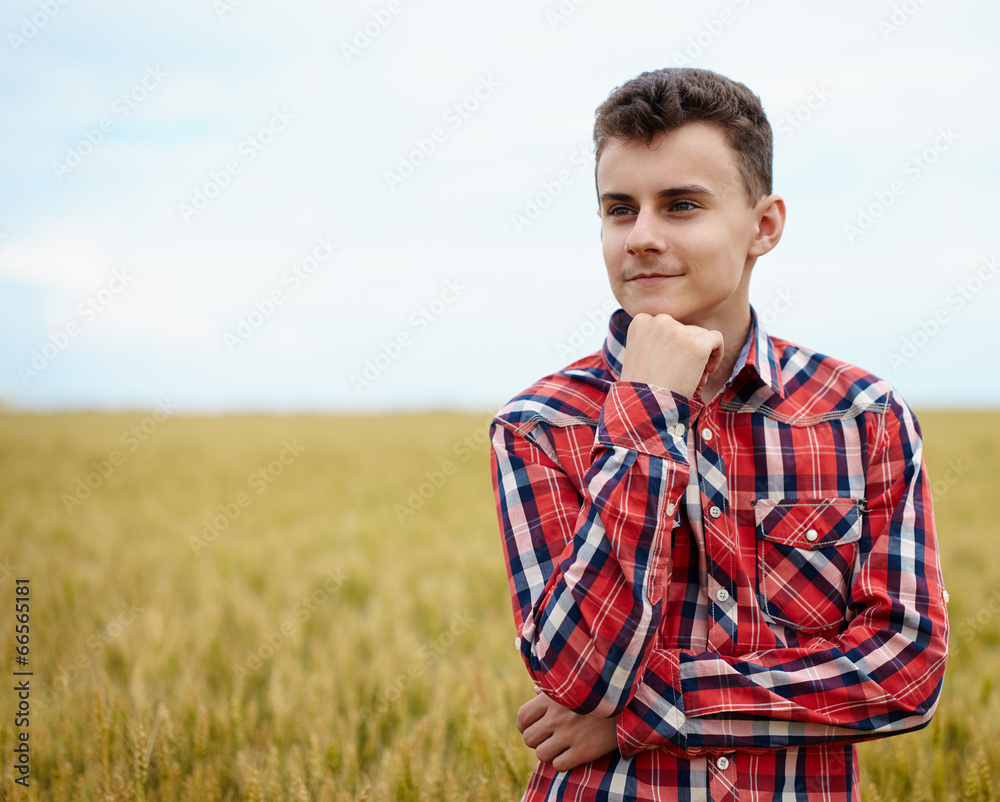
{"points": [[254, 206]]}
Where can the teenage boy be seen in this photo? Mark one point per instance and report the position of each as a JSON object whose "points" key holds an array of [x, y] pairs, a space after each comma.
{"points": [[720, 545]]}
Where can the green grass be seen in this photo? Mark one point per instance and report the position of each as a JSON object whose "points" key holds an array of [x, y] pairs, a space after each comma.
{"points": [[341, 636]]}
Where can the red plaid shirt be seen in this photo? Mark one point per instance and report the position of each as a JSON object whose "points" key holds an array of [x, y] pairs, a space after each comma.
{"points": [[750, 585]]}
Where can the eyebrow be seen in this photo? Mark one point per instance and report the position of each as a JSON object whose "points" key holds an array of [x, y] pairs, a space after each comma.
{"points": [[673, 192]]}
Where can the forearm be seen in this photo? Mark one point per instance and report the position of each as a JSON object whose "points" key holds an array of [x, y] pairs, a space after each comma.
{"points": [[691, 704], [585, 633], [880, 674]]}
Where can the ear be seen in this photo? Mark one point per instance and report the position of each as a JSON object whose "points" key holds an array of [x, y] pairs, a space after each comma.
{"points": [[770, 212]]}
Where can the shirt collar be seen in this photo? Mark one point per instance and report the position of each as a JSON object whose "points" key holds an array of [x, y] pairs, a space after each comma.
{"points": [[757, 354], [614, 343]]}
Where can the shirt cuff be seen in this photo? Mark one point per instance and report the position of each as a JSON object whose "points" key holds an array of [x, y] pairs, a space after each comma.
{"points": [[652, 420], [654, 718]]}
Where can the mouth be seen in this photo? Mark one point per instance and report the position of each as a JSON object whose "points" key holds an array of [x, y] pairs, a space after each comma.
{"points": [[651, 277]]}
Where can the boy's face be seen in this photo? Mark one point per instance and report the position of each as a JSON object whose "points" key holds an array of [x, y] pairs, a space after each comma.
{"points": [[678, 234]]}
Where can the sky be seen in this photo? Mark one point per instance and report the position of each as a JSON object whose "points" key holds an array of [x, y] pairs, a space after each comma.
{"points": [[237, 205]]}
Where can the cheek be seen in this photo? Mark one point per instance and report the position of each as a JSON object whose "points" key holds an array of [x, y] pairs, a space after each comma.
{"points": [[610, 250], [717, 251]]}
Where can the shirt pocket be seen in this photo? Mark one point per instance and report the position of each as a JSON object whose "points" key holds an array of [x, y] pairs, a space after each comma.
{"points": [[806, 550]]}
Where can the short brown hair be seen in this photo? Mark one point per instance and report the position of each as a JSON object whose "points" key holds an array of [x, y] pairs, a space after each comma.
{"points": [[662, 100]]}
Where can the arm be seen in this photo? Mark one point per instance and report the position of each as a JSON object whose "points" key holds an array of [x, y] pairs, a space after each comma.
{"points": [[881, 676], [586, 564]]}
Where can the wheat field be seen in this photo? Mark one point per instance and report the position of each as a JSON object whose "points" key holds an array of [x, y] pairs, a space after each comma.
{"points": [[310, 607]]}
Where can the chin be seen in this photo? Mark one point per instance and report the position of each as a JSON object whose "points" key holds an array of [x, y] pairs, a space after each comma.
{"points": [[655, 307]]}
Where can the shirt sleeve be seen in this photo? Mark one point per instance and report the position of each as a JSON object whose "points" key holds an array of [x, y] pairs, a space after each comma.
{"points": [[881, 676], [585, 560]]}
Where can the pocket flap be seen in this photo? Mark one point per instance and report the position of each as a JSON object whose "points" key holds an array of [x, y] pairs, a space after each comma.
{"points": [[808, 523]]}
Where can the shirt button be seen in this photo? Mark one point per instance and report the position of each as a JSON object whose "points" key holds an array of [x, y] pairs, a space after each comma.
{"points": [[670, 509], [706, 434], [714, 511], [722, 595], [517, 644], [812, 535], [679, 429], [722, 763]]}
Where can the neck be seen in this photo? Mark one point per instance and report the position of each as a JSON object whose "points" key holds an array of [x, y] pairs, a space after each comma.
{"points": [[734, 334]]}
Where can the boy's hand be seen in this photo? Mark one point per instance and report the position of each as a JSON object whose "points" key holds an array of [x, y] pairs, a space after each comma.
{"points": [[564, 738], [669, 354]]}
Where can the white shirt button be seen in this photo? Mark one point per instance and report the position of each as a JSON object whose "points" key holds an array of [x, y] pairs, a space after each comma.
{"points": [[706, 434], [517, 644], [812, 535], [714, 511], [679, 429], [722, 595], [722, 763], [670, 509]]}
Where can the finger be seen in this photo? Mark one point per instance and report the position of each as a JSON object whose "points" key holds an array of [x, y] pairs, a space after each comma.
{"points": [[550, 749], [718, 352], [566, 760], [537, 734], [530, 712]]}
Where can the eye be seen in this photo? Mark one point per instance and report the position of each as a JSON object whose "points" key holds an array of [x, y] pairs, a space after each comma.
{"points": [[618, 210], [683, 206]]}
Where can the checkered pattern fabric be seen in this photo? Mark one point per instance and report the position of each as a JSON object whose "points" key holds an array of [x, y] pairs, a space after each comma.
{"points": [[750, 586]]}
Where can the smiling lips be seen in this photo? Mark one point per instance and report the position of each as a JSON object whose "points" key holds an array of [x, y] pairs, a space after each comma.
{"points": [[649, 277]]}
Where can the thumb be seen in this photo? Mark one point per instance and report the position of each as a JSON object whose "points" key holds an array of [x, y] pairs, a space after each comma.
{"points": [[715, 357]]}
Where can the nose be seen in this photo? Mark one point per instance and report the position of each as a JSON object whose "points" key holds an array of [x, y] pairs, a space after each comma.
{"points": [[645, 236]]}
